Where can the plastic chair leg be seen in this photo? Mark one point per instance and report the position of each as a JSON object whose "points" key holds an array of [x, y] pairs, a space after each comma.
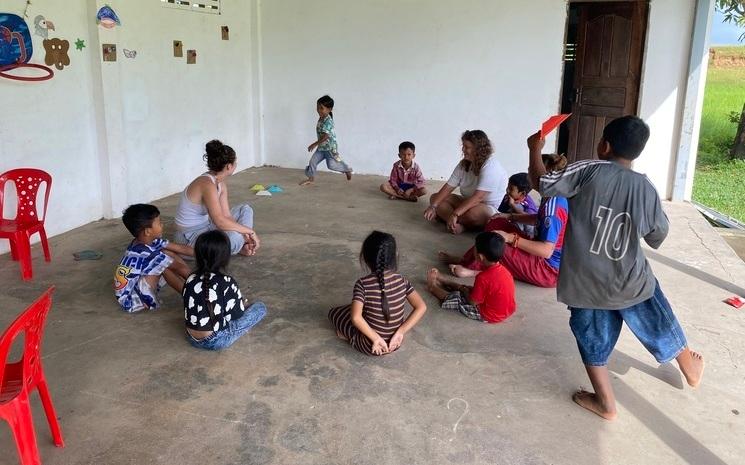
{"points": [[46, 401], [23, 247], [22, 426], [45, 244], [13, 250]]}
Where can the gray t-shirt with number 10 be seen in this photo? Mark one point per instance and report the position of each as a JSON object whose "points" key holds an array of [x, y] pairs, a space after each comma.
{"points": [[611, 208]]}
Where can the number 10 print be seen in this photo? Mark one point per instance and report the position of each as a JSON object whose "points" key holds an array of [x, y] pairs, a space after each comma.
{"points": [[612, 233]]}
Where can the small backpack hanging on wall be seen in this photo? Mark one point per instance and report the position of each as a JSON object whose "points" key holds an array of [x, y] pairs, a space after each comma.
{"points": [[16, 48]]}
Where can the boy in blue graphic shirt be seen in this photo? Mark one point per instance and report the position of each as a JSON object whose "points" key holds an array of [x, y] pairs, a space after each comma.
{"points": [[149, 262]]}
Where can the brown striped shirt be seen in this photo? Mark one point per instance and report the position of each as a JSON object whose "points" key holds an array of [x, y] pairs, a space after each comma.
{"points": [[367, 291]]}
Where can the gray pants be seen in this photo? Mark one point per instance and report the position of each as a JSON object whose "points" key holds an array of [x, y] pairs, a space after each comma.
{"points": [[243, 214], [331, 163]]}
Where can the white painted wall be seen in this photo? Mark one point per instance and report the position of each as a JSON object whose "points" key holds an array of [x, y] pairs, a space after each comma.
{"points": [[414, 70], [663, 88], [113, 134]]}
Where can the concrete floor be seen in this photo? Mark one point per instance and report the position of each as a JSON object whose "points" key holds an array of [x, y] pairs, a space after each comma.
{"points": [[130, 390]]}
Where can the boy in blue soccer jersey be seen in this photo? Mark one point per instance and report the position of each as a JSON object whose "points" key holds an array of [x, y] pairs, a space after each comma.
{"points": [[149, 262], [604, 277]]}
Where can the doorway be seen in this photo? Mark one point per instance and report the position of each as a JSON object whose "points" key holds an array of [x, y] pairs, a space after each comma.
{"points": [[603, 56]]}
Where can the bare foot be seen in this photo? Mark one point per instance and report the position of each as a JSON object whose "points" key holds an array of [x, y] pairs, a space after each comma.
{"points": [[392, 197], [692, 368], [246, 250], [412, 198], [307, 182], [462, 272], [341, 336], [448, 259], [591, 402], [458, 229], [433, 278], [348, 175]]}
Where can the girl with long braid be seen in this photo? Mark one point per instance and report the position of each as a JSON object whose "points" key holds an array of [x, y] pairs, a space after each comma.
{"points": [[374, 322]]}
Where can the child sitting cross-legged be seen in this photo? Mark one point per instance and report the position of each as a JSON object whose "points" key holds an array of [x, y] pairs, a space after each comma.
{"points": [[149, 262], [492, 297], [406, 181], [375, 323], [213, 304]]}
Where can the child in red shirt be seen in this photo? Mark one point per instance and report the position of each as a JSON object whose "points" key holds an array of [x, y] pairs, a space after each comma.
{"points": [[492, 297]]}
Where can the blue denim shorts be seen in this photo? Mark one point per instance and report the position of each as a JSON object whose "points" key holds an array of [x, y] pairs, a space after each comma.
{"points": [[651, 321]]}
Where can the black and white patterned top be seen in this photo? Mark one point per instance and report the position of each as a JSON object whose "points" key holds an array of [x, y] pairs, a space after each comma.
{"points": [[222, 293]]}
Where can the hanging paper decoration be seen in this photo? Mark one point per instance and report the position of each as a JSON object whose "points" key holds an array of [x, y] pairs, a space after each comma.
{"points": [[106, 17], [42, 26], [57, 53], [129, 53], [16, 48], [79, 44]]}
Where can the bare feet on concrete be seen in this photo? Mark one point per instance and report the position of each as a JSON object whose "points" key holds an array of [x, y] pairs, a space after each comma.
{"points": [[592, 402]]}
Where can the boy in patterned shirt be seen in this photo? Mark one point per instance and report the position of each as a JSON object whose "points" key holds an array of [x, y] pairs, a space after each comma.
{"points": [[149, 261], [604, 277], [406, 181]]}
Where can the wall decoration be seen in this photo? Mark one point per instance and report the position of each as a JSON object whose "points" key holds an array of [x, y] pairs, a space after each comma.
{"points": [[57, 53], [16, 48], [79, 44], [191, 57], [178, 49], [225, 33], [106, 17], [129, 53], [42, 26], [109, 52]]}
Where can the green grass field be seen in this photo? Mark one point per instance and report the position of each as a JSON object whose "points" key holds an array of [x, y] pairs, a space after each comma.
{"points": [[719, 181]]}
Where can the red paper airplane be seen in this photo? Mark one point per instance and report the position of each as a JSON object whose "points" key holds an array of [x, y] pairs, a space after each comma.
{"points": [[552, 123]]}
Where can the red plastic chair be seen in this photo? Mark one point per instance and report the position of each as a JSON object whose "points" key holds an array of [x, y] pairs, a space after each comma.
{"points": [[18, 379], [27, 220]]}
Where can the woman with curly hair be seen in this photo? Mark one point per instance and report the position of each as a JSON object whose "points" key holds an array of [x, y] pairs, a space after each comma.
{"points": [[204, 205], [482, 182]]}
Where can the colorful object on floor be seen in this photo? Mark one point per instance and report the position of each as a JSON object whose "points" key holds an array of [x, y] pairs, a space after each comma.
{"points": [[275, 189], [129, 53], [87, 255], [257, 187], [79, 44], [42, 26], [57, 53], [27, 220], [264, 193], [552, 123], [735, 301], [19, 379], [16, 49], [106, 17]]}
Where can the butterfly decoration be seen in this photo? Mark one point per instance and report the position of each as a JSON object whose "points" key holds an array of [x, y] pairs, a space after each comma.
{"points": [[130, 53]]}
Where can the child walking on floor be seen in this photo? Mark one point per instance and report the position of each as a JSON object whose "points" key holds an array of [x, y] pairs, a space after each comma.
{"points": [[492, 297], [149, 261], [374, 323], [214, 309], [326, 147], [604, 277]]}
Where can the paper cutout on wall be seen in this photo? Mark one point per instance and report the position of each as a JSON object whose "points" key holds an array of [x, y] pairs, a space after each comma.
{"points": [[225, 33], [106, 17], [42, 26], [16, 48], [129, 53], [79, 44], [109, 52], [191, 57], [178, 49], [57, 53]]}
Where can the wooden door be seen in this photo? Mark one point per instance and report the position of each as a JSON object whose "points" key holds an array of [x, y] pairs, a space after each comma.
{"points": [[610, 46]]}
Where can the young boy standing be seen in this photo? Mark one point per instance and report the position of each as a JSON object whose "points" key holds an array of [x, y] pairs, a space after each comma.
{"points": [[149, 262], [406, 181], [492, 297], [604, 278]]}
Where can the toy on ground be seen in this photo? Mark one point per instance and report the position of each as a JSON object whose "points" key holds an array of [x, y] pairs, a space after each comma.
{"points": [[257, 187]]}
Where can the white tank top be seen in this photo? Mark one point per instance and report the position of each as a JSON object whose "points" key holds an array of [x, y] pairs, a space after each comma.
{"points": [[189, 214]]}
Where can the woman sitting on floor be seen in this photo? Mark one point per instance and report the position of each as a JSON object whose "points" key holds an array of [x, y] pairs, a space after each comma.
{"points": [[204, 206], [481, 180], [533, 261]]}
